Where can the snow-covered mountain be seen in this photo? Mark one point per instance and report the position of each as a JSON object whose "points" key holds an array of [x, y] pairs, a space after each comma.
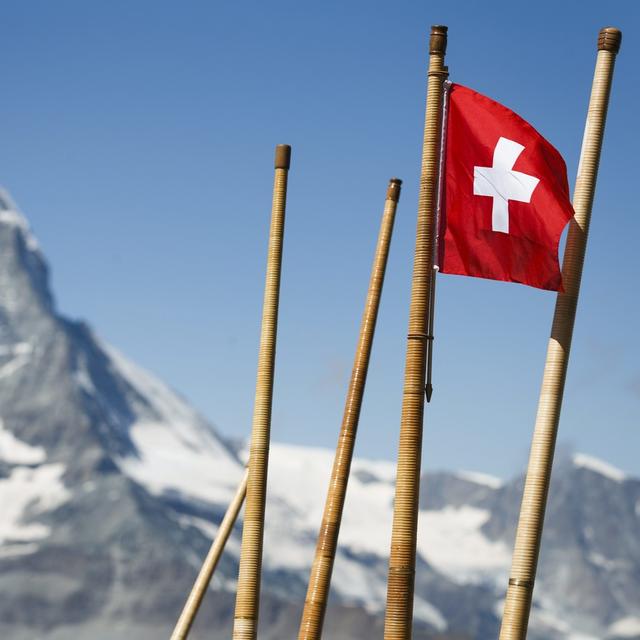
{"points": [[112, 487]]}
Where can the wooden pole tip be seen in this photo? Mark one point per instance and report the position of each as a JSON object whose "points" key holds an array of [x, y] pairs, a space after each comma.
{"points": [[393, 192], [283, 156], [609, 39], [438, 39]]}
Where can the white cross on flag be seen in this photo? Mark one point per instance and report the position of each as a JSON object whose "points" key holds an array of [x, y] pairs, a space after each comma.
{"points": [[505, 198]]}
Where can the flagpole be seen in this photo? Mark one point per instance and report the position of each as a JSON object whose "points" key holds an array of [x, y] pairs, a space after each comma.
{"points": [[183, 626], [248, 594], [402, 560], [320, 578], [527, 546]]}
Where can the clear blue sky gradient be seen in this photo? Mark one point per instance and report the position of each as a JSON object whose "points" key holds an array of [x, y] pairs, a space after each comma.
{"points": [[138, 137]]}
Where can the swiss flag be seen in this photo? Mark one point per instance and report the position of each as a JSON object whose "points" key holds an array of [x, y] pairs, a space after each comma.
{"points": [[505, 198]]}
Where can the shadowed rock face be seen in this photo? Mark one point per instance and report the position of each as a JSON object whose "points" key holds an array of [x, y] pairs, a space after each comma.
{"points": [[111, 488], [589, 568]]}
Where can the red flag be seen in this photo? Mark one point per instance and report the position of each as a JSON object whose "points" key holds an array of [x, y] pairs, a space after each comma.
{"points": [[505, 198]]}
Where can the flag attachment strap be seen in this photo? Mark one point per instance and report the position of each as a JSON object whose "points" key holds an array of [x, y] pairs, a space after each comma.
{"points": [[523, 584], [428, 388]]}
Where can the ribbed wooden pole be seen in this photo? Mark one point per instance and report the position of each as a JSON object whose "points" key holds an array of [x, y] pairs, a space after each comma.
{"points": [[527, 545], [320, 579], [248, 595], [402, 561], [200, 586]]}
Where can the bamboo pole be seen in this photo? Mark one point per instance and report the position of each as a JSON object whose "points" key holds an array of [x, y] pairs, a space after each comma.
{"points": [[248, 594], [529, 531], [183, 626], [402, 561], [322, 567]]}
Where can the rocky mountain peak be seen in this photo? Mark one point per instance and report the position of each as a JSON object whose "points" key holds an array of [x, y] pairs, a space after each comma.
{"points": [[24, 276]]}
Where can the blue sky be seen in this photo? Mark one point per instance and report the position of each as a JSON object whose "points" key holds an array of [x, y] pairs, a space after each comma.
{"points": [[138, 138]]}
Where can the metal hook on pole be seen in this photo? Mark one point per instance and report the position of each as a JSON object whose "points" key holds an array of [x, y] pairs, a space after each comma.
{"points": [[428, 389]]}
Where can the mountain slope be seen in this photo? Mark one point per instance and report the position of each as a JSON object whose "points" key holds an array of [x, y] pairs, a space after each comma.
{"points": [[112, 487], [81, 538]]}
